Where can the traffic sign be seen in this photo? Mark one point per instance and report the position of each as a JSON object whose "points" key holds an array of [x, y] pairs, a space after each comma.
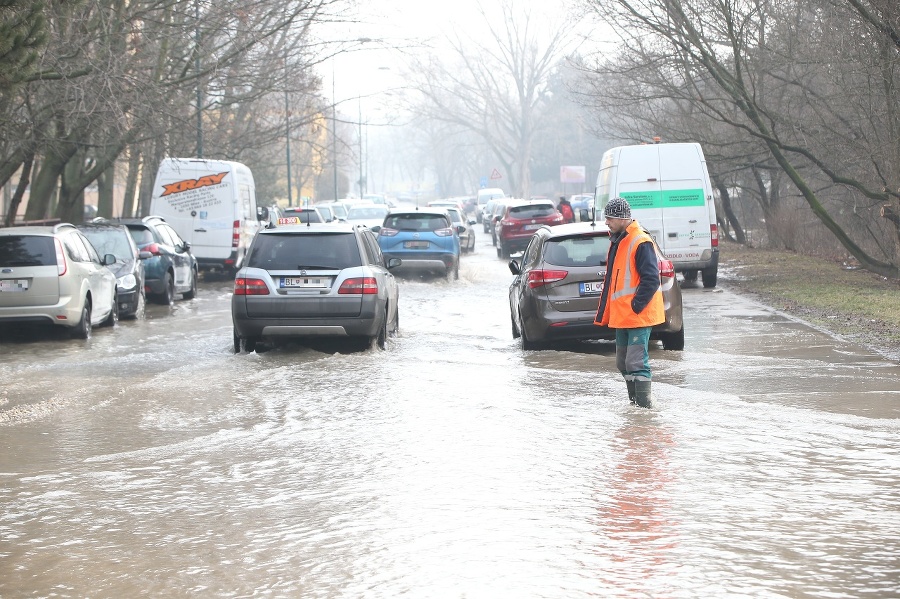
{"points": [[496, 175], [482, 183]]}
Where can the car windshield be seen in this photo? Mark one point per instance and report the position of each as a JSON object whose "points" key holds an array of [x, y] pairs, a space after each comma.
{"points": [[339, 210], [27, 250], [532, 211], [366, 212], [330, 251], [416, 222], [454, 216], [577, 251], [110, 242]]}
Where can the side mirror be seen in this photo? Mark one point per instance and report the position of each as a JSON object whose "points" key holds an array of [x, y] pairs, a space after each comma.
{"points": [[262, 213], [472, 221], [460, 229], [375, 229], [394, 263], [514, 267], [186, 246], [144, 255], [108, 259]]}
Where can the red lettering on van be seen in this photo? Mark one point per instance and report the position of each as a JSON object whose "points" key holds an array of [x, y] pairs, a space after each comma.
{"points": [[189, 184]]}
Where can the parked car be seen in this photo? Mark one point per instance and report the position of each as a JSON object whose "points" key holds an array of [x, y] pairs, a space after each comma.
{"points": [[338, 209], [314, 281], [485, 195], [109, 238], [53, 275], [558, 281], [423, 238], [465, 227], [582, 207], [171, 268], [302, 214], [518, 221], [370, 215], [496, 211]]}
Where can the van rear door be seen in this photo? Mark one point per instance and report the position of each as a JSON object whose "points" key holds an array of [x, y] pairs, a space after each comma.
{"points": [[638, 176], [684, 191]]}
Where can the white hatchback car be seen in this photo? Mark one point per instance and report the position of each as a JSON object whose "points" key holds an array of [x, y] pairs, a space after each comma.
{"points": [[53, 275]]}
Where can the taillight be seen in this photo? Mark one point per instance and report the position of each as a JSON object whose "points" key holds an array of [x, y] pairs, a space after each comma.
{"points": [[538, 278], [385, 232], [444, 232], [714, 235], [61, 265], [359, 286], [250, 287], [236, 234], [666, 268]]}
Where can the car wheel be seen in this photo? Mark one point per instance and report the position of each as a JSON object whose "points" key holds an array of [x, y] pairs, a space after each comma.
{"points": [[456, 269], [515, 329], [690, 276], [141, 306], [527, 344], [83, 329], [503, 251], [396, 323], [192, 292], [237, 341], [381, 338], [167, 297], [113, 318], [673, 341], [248, 344], [709, 277]]}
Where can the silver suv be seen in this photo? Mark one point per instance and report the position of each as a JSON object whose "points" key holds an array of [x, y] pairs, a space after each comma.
{"points": [[53, 275]]}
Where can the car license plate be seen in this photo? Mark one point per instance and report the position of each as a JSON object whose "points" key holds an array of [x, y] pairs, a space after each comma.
{"points": [[13, 285], [531, 227], [303, 282], [416, 245], [591, 288]]}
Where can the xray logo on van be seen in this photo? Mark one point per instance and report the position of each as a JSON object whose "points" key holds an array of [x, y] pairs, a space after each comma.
{"points": [[189, 184]]}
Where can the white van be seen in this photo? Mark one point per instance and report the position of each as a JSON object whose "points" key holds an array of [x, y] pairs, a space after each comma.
{"points": [[668, 188], [212, 205], [484, 196]]}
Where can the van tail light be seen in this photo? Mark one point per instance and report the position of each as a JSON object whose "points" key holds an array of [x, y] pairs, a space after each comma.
{"points": [[714, 235], [359, 286], [448, 232], [666, 269], [61, 265], [244, 286], [541, 277], [236, 234]]}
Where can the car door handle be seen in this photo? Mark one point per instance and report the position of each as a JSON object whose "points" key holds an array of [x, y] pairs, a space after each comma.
{"points": [[199, 230]]}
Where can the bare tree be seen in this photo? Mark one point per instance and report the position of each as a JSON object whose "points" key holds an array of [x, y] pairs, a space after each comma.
{"points": [[494, 86], [812, 84]]}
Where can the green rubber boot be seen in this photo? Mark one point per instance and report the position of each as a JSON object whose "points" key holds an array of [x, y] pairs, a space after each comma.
{"points": [[642, 394], [630, 385]]}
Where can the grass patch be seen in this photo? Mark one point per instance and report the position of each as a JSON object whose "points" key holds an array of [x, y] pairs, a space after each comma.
{"points": [[851, 302]]}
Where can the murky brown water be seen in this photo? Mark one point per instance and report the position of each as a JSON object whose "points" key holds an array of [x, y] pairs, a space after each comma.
{"points": [[154, 462]]}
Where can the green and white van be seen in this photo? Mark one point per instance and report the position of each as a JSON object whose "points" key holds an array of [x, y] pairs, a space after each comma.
{"points": [[668, 189]]}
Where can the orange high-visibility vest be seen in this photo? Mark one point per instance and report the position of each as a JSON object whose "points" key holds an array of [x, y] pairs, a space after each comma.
{"points": [[622, 282]]}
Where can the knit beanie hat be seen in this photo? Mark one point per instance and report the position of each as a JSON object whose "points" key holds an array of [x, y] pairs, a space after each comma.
{"points": [[617, 208]]}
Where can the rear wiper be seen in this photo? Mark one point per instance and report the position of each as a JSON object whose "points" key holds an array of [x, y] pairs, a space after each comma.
{"points": [[315, 267]]}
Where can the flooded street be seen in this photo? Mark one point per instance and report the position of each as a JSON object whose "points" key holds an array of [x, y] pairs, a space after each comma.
{"points": [[153, 461]]}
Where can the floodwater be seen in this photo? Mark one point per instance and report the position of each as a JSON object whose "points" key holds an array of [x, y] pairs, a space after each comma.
{"points": [[151, 461]]}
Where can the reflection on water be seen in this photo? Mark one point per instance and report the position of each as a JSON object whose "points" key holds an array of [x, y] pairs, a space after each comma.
{"points": [[154, 461]]}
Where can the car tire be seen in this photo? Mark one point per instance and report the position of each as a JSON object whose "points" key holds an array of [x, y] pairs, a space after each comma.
{"points": [[192, 292], [710, 275], [167, 297], [456, 269], [83, 329], [515, 329], [527, 344], [113, 318], [673, 341], [248, 344], [380, 339], [503, 251], [141, 305], [237, 341]]}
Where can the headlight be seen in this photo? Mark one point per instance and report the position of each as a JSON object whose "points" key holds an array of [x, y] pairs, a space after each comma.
{"points": [[127, 282]]}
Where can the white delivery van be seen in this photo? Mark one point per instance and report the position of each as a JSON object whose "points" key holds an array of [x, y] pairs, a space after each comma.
{"points": [[485, 195], [668, 188], [212, 205]]}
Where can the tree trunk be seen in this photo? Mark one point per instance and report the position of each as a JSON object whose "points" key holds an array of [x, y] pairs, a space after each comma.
{"points": [[105, 196], [134, 165], [45, 183], [20, 191], [730, 216]]}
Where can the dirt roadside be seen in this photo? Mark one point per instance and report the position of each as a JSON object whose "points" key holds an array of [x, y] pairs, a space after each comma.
{"points": [[851, 303]]}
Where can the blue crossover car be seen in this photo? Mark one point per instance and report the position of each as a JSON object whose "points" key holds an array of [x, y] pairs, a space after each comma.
{"points": [[423, 238]]}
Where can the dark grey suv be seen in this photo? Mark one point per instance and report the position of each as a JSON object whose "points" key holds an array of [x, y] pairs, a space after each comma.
{"points": [[314, 281], [557, 287]]}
